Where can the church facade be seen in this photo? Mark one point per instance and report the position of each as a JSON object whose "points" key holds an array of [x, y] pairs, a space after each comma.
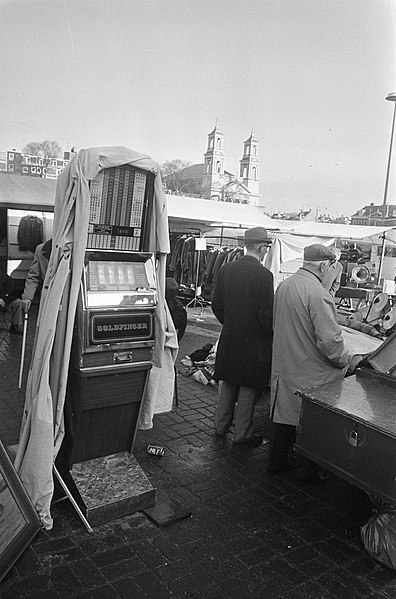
{"points": [[212, 181]]}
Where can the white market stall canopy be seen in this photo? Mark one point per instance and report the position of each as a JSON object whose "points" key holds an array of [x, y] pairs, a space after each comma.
{"points": [[205, 214], [27, 193], [333, 230], [36, 194]]}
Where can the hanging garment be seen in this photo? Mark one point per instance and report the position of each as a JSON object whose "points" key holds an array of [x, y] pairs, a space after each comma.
{"points": [[30, 233]]}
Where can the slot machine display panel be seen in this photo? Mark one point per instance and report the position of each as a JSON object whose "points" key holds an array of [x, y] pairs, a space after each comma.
{"points": [[121, 200], [116, 309]]}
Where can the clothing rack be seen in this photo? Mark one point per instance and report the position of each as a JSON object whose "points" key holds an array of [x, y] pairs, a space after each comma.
{"points": [[198, 300], [193, 269]]}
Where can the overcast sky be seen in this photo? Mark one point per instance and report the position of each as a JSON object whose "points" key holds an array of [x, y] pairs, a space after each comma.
{"points": [[310, 78]]}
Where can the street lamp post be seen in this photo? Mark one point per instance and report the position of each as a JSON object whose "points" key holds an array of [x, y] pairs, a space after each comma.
{"points": [[392, 98]]}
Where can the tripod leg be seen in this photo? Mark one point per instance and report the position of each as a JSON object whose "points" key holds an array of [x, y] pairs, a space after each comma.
{"points": [[73, 501]]}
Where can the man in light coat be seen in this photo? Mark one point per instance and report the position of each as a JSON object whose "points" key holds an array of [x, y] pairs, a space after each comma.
{"points": [[242, 302], [308, 350]]}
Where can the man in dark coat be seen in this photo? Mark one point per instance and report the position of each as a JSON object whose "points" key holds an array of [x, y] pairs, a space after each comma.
{"points": [[242, 302]]}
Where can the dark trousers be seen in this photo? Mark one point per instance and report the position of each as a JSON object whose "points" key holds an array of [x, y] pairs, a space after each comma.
{"points": [[245, 400], [283, 437]]}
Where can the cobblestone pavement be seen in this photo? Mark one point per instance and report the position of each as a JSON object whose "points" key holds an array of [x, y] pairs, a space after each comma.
{"points": [[249, 536]]}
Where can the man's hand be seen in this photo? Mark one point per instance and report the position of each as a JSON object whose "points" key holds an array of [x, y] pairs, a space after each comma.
{"points": [[2, 303], [356, 359], [26, 305]]}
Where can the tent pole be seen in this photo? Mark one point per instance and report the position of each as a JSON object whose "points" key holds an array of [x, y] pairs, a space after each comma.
{"points": [[381, 258]]}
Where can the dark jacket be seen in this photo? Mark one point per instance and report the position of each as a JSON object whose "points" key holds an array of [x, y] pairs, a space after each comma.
{"points": [[179, 316], [242, 301], [6, 286]]}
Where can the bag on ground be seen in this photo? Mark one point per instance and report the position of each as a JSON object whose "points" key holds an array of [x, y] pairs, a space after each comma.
{"points": [[379, 534]]}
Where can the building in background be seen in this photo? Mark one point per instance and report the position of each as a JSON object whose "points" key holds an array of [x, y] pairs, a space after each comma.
{"points": [[212, 181], [16, 163], [376, 215]]}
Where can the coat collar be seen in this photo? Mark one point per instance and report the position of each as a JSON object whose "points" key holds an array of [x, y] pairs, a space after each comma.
{"points": [[249, 258], [307, 273]]}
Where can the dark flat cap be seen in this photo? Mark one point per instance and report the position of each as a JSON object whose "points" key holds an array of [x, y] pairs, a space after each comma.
{"points": [[257, 235], [318, 252]]}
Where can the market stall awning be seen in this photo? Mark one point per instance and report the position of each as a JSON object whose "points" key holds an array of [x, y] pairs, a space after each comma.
{"points": [[335, 230], [36, 194], [210, 213], [27, 193]]}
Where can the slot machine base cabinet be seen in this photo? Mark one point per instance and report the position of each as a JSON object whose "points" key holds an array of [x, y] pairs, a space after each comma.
{"points": [[110, 487], [95, 461], [348, 427], [106, 411]]}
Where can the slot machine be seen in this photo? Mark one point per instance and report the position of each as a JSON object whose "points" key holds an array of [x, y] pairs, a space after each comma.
{"points": [[114, 325]]}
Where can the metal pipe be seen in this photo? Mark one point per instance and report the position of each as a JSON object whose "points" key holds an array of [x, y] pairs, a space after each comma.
{"points": [[384, 204], [391, 98], [25, 321]]}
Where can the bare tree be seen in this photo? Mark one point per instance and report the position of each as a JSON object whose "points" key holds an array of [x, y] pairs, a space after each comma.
{"points": [[170, 173], [46, 150]]}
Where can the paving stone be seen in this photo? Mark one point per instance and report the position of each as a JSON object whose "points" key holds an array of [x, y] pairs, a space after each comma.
{"points": [[103, 592], [257, 556], [381, 577], [317, 567], [126, 567], [335, 585], [389, 592], [65, 582], [153, 586], [169, 549], [213, 592], [308, 590], [127, 588], [302, 555], [45, 594], [25, 587], [191, 581], [88, 574], [113, 556]]}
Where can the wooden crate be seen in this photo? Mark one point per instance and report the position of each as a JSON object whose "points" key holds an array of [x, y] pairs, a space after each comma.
{"points": [[349, 428]]}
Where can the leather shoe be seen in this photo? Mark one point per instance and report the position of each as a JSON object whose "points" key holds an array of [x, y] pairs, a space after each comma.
{"points": [[16, 330]]}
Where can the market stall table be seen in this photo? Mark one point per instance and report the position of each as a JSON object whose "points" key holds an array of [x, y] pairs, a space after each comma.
{"points": [[349, 428]]}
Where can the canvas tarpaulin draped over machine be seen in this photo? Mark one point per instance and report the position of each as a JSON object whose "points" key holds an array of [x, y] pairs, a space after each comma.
{"points": [[42, 427]]}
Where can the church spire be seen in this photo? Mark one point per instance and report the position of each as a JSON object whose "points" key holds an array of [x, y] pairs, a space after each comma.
{"points": [[250, 165], [213, 173]]}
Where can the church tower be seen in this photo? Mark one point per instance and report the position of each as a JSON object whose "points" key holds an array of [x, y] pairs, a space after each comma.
{"points": [[250, 168], [213, 169]]}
